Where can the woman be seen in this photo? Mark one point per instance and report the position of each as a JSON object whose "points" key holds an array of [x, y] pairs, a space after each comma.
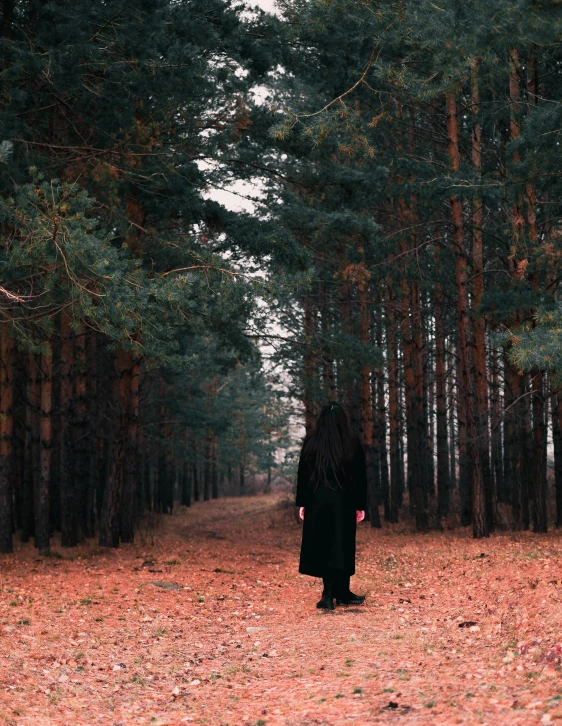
{"points": [[331, 494]]}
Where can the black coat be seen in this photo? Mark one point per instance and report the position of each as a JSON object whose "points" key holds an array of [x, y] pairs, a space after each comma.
{"points": [[328, 536]]}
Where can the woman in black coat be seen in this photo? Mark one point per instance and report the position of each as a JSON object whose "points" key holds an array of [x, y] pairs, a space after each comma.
{"points": [[331, 494]]}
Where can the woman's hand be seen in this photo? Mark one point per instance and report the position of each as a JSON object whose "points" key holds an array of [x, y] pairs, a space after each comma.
{"points": [[359, 516], [301, 512]]}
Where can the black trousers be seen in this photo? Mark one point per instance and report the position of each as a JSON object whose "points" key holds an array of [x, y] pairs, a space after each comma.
{"points": [[336, 584]]}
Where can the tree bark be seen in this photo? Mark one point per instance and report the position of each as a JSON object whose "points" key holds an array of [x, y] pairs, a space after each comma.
{"points": [[496, 426], [110, 511], [367, 408], [130, 469], [82, 439], [207, 474], [539, 455], [68, 503], [394, 432], [441, 406], [479, 323], [31, 445], [6, 437], [414, 427], [479, 518], [309, 363], [41, 498], [557, 443]]}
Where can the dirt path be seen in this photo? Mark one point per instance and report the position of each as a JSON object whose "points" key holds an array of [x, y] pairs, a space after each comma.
{"points": [[213, 624]]}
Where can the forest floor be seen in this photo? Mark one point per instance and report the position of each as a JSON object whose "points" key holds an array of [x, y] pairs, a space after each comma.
{"points": [[211, 623]]}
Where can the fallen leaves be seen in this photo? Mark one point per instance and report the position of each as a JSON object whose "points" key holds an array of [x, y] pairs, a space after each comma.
{"points": [[448, 631]]}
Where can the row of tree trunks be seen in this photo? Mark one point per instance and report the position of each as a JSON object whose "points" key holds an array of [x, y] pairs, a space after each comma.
{"points": [[74, 456]]}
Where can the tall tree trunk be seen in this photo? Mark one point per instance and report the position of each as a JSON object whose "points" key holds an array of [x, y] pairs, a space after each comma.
{"points": [[539, 455], [81, 436], [31, 445], [414, 427], [453, 407], [121, 388], [421, 496], [207, 475], [557, 444], [441, 406], [214, 469], [186, 488], [328, 359], [130, 469], [496, 426], [465, 490], [41, 497], [479, 519], [69, 532], [378, 394], [428, 378], [242, 479], [517, 442], [310, 371], [539, 478], [479, 322], [394, 432], [367, 408], [195, 472], [6, 437]]}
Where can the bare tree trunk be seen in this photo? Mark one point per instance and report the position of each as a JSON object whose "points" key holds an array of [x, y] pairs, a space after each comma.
{"points": [[310, 371], [441, 407], [413, 424], [41, 498], [394, 432], [130, 468], [479, 322], [109, 519], [214, 469], [557, 442], [6, 437], [31, 445], [69, 531], [539, 455], [207, 474], [328, 361], [496, 426], [367, 410], [453, 406], [479, 519]]}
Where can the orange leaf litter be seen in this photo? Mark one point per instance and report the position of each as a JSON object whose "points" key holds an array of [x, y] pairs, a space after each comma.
{"points": [[213, 624]]}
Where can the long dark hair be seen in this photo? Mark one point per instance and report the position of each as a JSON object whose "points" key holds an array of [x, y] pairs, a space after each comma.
{"points": [[329, 446]]}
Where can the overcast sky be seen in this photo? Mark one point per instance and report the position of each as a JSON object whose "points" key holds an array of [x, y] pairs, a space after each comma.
{"points": [[268, 5], [236, 200]]}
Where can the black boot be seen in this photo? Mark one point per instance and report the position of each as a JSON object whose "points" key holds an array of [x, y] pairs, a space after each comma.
{"points": [[344, 596], [327, 601], [351, 599]]}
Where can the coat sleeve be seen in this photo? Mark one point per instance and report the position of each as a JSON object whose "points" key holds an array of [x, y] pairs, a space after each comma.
{"points": [[360, 479], [302, 483]]}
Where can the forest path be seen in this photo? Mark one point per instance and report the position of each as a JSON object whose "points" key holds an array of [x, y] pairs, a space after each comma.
{"points": [[213, 624]]}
